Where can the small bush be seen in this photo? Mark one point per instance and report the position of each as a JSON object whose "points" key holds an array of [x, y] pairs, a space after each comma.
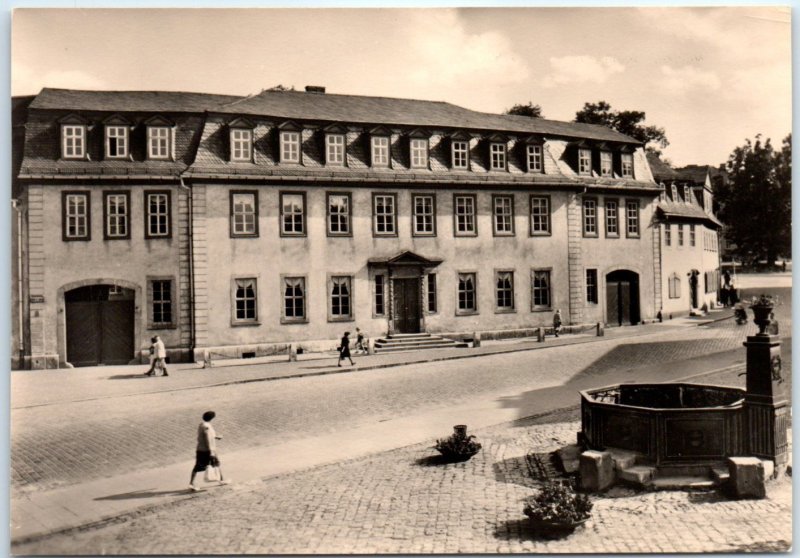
{"points": [[458, 446], [557, 502]]}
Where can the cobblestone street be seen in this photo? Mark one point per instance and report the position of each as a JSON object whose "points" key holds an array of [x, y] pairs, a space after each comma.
{"points": [[402, 501]]}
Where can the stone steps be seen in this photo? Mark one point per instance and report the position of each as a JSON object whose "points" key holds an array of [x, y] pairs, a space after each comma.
{"points": [[414, 342]]}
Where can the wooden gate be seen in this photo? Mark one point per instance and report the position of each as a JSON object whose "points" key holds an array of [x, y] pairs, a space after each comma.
{"points": [[406, 305], [100, 325], [622, 298]]}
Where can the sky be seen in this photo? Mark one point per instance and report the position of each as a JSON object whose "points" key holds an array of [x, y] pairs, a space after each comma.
{"points": [[711, 77]]}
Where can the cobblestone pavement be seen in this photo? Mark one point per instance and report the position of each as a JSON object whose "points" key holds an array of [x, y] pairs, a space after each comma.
{"points": [[67, 443], [405, 501]]}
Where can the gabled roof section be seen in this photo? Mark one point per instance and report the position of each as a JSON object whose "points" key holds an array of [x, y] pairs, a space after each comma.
{"points": [[290, 126], [408, 112], [406, 257], [334, 129], [662, 172], [241, 123], [116, 120], [128, 101], [73, 119], [158, 120], [380, 131], [460, 135]]}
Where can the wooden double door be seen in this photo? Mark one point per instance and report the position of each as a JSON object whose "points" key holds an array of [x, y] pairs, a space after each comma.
{"points": [[622, 298], [100, 325], [407, 305]]}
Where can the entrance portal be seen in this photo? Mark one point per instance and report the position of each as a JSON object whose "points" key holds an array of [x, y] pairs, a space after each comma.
{"points": [[406, 305], [100, 325], [693, 280], [622, 298]]}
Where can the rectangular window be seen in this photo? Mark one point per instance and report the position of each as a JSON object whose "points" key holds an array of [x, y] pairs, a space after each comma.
{"points": [[384, 215], [161, 302], [692, 236], [632, 217], [116, 142], [460, 153], [534, 158], [605, 163], [591, 286], [466, 293], [589, 217], [334, 149], [339, 215], [540, 285], [293, 214], [158, 142], [380, 151], [505, 290], [465, 215], [419, 153], [668, 235], [75, 212], [498, 156], [432, 293], [116, 207], [424, 216], [294, 299], [290, 147], [241, 145], [680, 235], [340, 298], [244, 213], [380, 282], [627, 165], [245, 300], [612, 218], [157, 215], [674, 286], [540, 215], [584, 161], [73, 142], [687, 196], [503, 207]]}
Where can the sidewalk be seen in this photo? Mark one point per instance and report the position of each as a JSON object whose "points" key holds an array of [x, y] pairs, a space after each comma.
{"points": [[38, 513]]}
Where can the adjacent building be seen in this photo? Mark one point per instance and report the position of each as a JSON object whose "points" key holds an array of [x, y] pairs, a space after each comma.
{"points": [[236, 225]]}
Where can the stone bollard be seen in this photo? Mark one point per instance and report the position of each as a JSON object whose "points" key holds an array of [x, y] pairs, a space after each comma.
{"points": [[370, 347], [460, 430], [540, 335], [596, 470], [292, 353], [476, 340], [746, 477], [601, 331], [207, 359]]}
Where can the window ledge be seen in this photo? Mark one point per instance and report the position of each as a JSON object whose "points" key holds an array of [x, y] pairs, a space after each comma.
{"points": [[245, 324], [162, 326], [542, 309], [505, 311], [332, 319], [466, 313], [291, 321]]}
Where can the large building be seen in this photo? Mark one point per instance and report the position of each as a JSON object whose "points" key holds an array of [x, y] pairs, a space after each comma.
{"points": [[240, 224], [690, 252]]}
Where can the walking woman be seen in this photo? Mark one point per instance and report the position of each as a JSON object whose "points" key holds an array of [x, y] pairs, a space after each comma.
{"points": [[344, 349]]}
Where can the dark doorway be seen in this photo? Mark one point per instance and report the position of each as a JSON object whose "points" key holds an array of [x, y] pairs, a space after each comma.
{"points": [[693, 281], [406, 305], [622, 298], [100, 325]]}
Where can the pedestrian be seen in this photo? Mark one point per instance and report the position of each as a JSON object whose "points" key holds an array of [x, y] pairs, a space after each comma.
{"points": [[557, 322], [151, 371], [726, 276], [206, 450], [344, 349], [160, 356], [360, 347]]}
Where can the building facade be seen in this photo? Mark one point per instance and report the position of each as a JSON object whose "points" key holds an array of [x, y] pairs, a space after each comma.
{"points": [[690, 250], [236, 225]]}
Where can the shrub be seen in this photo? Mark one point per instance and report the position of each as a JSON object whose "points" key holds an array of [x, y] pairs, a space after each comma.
{"points": [[458, 445], [557, 502]]}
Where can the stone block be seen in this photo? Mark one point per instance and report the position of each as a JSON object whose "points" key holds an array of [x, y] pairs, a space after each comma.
{"points": [[596, 470], [769, 469], [569, 457], [476, 339], [292, 353], [370, 346], [746, 477], [601, 332], [639, 475], [540, 335]]}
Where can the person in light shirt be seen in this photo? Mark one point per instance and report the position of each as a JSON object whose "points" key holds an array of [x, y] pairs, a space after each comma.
{"points": [[206, 450]]}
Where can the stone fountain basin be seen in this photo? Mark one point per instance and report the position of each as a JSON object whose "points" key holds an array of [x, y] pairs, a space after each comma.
{"points": [[669, 425]]}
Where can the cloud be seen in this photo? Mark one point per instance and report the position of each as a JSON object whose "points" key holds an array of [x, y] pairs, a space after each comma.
{"points": [[24, 81], [567, 70], [687, 78]]}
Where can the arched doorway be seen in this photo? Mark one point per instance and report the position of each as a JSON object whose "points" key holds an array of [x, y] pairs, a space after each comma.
{"points": [[693, 281], [622, 298], [99, 325]]}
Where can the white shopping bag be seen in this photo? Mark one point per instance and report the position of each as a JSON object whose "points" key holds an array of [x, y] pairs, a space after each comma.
{"points": [[212, 474]]}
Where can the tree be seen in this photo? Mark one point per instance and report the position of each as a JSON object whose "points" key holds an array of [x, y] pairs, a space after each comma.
{"points": [[531, 110], [755, 203], [628, 122]]}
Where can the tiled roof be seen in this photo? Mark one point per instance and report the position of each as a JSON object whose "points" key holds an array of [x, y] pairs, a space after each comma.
{"points": [[406, 112], [128, 101], [682, 210], [112, 169], [694, 173], [661, 170]]}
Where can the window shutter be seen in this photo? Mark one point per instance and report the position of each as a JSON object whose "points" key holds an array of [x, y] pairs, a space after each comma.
{"points": [[616, 159], [138, 146], [225, 143]]}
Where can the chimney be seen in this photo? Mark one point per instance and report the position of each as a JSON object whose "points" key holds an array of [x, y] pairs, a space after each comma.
{"points": [[315, 89]]}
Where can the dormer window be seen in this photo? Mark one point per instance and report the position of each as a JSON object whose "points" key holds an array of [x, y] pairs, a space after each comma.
{"points": [[73, 141], [674, 193], [627, 165], [497, 156], [158, 144], [419, 153], [687, 194], [380, 151], [534, 153], [290, 147], [585, 161], [605, 164], [459, 150], [662, 196], [334, 149], [241, 145], [116, 142]]}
